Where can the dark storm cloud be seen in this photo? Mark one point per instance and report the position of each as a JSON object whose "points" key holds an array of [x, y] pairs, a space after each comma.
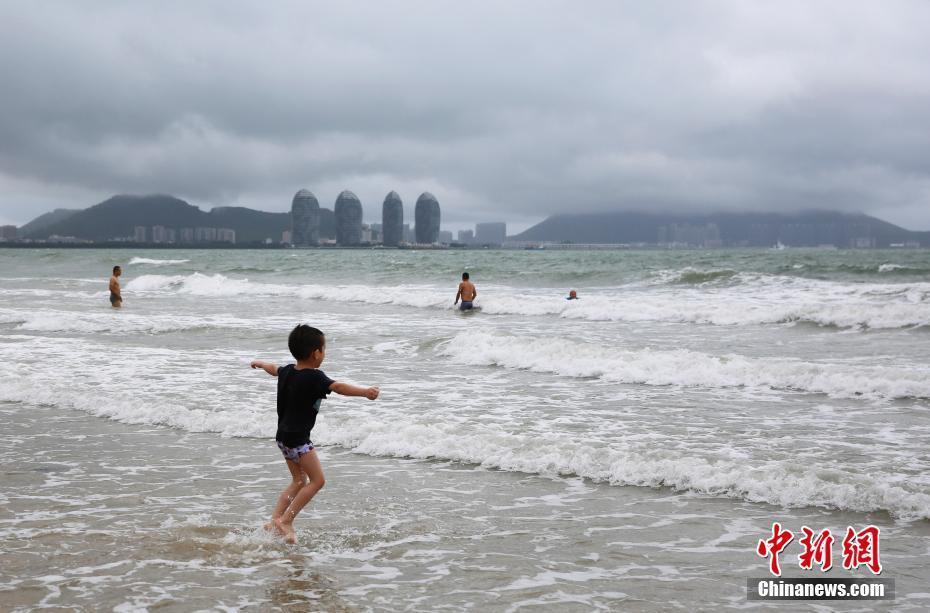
{"points": [[504, 110]]}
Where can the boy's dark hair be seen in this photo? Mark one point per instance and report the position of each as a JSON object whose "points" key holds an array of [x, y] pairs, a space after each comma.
{"points": [[115, 268], [464, 276], [304, 340]]}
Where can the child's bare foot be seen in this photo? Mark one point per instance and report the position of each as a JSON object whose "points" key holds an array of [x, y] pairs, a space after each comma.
{"points": [[290, 537], [270, 527]]}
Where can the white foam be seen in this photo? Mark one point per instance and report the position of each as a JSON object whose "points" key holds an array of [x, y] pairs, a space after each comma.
{"points": [[154, 262], [755, 300], [137, 385], [218, 285], [778, 482], [122, 322], [686, 368], [159, 386]]}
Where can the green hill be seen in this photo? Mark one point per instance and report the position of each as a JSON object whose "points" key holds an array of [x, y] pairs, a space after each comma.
{"points": [[45, 220], [117, 217], [803, 229]]}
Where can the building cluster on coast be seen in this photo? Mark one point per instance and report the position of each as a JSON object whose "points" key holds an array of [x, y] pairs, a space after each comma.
{"points": [[188, 236], [153, 235], [165, 221], [306, 223]]}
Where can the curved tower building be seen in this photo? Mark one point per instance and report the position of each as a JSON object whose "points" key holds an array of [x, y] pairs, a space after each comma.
{"points": [[305, 219], [427, 219], [392, 220], [348, 219]]}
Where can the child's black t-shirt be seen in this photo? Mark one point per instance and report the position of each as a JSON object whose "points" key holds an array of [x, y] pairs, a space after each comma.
{"points": [[299, 396]]}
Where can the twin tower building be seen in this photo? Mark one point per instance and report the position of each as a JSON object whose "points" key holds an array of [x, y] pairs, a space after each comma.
{"points": [[305, 219]]}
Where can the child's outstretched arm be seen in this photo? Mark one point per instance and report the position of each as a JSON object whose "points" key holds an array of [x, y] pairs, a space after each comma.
{"points": [[347, 389], [268, 367]]}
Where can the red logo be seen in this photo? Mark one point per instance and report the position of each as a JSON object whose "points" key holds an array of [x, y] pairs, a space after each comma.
{"points": [[819, 549], [773, 546], [859, 548]]}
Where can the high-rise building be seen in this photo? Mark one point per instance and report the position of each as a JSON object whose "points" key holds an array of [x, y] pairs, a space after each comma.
{"points": [[426, 219], [466, 237], [348, 213], [392, 220], [305, 219], [226, 235], [491, 233], [8, 233], [408, 233], [445, 237], [187, 235], [205, 235], [138, 234], [159, 234]]}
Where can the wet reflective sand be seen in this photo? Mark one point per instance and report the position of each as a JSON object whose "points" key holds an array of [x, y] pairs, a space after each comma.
{"points": [[96, 514]]}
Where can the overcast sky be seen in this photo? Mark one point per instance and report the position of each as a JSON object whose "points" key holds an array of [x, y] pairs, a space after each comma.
{"points": [[506, 110]]}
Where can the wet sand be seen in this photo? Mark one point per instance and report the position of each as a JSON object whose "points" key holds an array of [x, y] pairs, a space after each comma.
{"points": [[96, 514]]}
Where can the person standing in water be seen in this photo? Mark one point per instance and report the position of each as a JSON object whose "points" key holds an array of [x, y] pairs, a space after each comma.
{"points": [[466, 293], [116, 296], [302, 386]]}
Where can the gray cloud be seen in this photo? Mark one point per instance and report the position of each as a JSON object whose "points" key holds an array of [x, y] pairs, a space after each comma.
{"points": [[504, 110]]}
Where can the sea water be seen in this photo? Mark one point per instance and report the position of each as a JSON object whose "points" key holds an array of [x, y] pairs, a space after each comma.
{"points": [[626, 450]]}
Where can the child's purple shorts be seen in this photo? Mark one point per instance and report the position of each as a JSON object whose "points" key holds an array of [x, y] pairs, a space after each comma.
{"points": [[293, 453]]}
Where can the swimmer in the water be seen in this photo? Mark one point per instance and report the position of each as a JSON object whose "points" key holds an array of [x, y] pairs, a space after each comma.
{"points": [[572, 295], [116, 296], [466, 293]]}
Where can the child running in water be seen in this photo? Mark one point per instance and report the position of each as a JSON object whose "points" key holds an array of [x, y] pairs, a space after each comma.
{"points": [[301, 388]]}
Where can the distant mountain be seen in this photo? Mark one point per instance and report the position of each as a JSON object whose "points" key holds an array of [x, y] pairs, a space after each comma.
{"points": [[118, 216], [45, 220], [802, 229]]}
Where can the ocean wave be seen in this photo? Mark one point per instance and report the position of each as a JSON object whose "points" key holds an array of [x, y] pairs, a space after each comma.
{"points": [[763, 302], [691, 276], [787, 484], [221, 286], [117, 322], [154, 262], [130, 409], [237, 406], [903, 270], [861, 306], [780, 483], [685, 368], [869, 270]]}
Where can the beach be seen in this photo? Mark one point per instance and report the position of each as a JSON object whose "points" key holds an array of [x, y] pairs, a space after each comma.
{"points": [[625, 451]]}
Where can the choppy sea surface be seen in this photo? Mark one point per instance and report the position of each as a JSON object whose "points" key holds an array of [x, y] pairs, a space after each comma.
{"points": [[625, 451]]}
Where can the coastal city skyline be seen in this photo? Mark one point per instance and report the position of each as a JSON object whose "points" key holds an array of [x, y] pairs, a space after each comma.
{"points": [[167, 221], [306, 226]]}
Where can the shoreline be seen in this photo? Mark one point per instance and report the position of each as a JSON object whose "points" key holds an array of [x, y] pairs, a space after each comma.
{"points": [[557, 247], [183, 521]]}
